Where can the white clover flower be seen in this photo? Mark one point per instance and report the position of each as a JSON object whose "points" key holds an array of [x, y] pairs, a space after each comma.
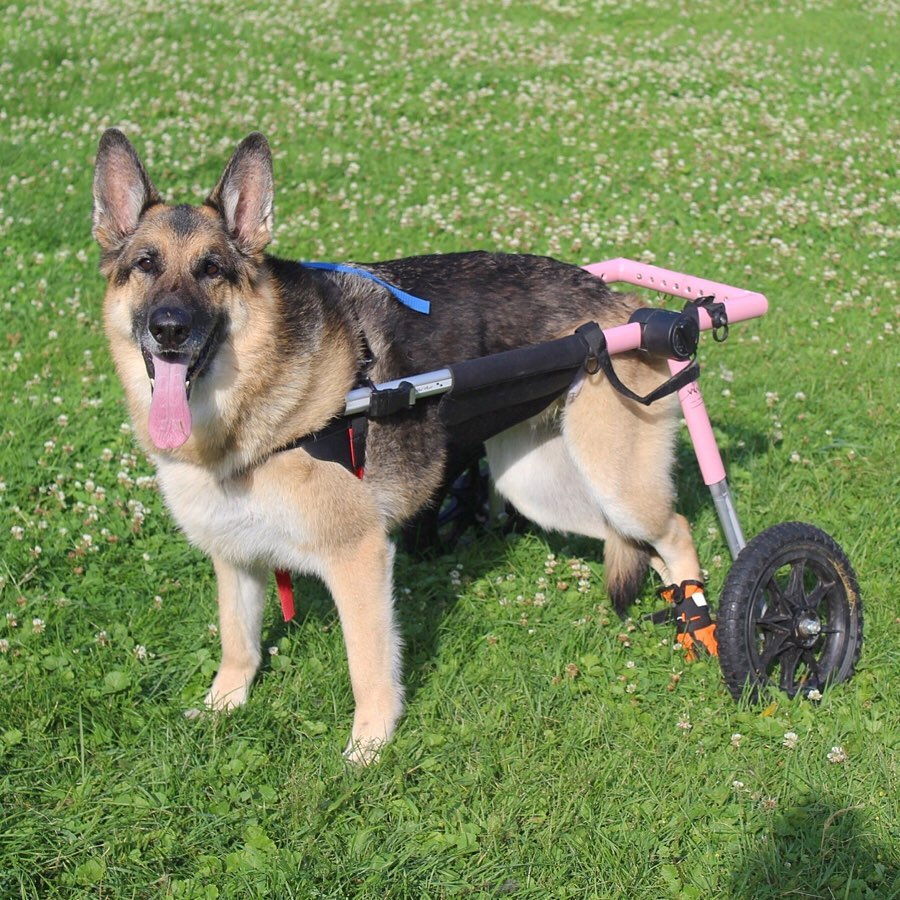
{"points": [[736, 739], [140, 652], [790, 740], [4, 645], [837, 755]]}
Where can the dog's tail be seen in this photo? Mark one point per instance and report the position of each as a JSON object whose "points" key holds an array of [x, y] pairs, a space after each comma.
{"points": [[625, 562]]}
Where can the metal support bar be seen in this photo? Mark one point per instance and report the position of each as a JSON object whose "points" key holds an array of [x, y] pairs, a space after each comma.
{"points": [[428, 384], [728, 519]]}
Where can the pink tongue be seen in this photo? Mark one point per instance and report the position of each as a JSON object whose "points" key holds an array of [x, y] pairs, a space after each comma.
{"points": [[170, 415]]}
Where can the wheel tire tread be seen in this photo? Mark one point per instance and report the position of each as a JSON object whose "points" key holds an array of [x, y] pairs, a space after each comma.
{"points": [[741, 581]]}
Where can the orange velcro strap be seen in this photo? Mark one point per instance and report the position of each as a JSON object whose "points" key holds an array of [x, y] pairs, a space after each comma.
{"points": [[693, 624], [705, 637]]}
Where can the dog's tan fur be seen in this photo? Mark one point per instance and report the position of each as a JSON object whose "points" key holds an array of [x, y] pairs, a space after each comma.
{"points": [[594, 463]]}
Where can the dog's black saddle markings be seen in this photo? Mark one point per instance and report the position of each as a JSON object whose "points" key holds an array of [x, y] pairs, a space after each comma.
{"points": [[480, 398]]}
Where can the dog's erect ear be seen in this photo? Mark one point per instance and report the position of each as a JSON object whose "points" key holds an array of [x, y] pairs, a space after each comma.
{"points": [[244, 194], [122, 191]]}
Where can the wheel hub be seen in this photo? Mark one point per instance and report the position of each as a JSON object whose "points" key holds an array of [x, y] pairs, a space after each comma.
{"points": [[807, 628]]}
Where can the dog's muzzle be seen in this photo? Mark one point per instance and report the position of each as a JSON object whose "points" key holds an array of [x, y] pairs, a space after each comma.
{"points": [[178, 343]]}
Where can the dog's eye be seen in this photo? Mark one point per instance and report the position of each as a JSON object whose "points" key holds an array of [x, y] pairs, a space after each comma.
{"points": [[212, 270], [144, 263]]}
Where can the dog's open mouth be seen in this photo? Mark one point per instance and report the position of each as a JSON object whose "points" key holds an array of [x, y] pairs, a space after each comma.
{"points": [[172, 376]]}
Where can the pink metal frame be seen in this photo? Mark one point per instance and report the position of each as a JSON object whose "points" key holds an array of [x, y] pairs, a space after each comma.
{"points": [[740, 305]]}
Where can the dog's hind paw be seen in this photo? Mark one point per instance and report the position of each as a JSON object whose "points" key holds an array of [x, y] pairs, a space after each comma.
{"points": [[195, 713]]}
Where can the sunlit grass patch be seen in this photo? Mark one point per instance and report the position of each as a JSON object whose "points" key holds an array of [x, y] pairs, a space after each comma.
{"points": [[549, 749]]}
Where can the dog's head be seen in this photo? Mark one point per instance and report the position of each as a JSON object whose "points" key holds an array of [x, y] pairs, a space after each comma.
{"points": [[176, 273]]}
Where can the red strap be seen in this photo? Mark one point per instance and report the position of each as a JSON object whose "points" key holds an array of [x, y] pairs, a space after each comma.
{"points": [[285, 593], [358, 466], [283, 577]]}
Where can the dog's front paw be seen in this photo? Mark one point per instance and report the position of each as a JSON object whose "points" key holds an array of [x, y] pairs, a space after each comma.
{"points": [[228, 691], [363, 752], [370, 733]]}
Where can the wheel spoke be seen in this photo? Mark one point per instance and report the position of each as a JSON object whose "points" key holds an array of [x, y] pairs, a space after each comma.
{"points": [[813, 681], [776, 595], [775, 621], [774, 645], [789, 660], [817, 594], [794, 595]]}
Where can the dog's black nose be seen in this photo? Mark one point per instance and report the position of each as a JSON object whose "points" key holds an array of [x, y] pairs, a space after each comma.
{"points": [[171, 326]]}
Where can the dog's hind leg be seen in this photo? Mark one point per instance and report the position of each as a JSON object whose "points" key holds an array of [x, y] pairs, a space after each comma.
{"points": [[242, 594], [533, 468], [626, 453], [606, 474], [360, 578]]}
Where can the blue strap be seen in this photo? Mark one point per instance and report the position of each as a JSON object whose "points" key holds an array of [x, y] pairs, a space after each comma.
{"points": [[414, 303]]}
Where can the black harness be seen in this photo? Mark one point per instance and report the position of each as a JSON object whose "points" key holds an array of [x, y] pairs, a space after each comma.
{"points": [[492, 393], [342, 440]]}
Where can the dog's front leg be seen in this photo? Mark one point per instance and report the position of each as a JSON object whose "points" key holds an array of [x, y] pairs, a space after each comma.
{"points": [[360, 578], [242, 594]]}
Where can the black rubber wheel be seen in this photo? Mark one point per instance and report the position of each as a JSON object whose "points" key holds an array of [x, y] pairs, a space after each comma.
{"points": [[790, 614]]}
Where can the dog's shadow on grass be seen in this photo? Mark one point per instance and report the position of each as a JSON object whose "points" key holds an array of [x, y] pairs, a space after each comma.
{"points": [[821, 848]]}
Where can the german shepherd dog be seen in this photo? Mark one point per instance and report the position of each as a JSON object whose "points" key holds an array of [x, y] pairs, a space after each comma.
{"points": [[228, 355]]}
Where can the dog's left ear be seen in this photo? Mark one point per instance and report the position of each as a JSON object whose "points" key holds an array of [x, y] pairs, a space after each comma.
{"points": [[244, 194]]}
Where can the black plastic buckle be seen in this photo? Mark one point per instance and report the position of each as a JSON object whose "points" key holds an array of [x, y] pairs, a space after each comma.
{"points": [[592, 334], [598, 359], [388, 401], [717, 312]]}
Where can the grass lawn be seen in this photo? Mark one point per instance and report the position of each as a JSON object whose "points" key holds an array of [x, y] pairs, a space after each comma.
{"points": [[549, 749]]}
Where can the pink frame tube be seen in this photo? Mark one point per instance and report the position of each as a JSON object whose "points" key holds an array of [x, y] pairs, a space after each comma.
{"points": [[741, 305]]}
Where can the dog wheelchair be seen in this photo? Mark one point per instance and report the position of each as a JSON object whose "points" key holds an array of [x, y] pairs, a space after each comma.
{"points": [[790, 613]]}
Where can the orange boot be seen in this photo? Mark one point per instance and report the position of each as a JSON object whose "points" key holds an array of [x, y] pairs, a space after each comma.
{"points": [[693, 624]]}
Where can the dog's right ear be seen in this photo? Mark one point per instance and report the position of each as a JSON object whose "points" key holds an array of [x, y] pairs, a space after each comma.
{"points": [[122, 191], [245, 194]]}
